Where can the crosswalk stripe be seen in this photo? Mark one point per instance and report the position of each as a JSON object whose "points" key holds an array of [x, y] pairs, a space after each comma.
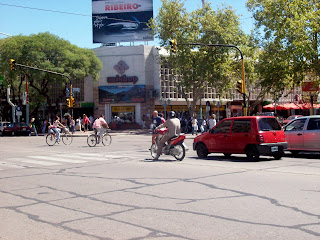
{"points": [[58, 159], [12, 165], [41, 162]]}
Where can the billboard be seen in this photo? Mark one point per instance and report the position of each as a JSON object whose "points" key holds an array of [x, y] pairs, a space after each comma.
{"points": [[120, 94], [121, 20]]}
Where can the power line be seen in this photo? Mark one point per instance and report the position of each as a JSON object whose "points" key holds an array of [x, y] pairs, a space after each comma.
{"points": [[70, 13], [46, 10]]}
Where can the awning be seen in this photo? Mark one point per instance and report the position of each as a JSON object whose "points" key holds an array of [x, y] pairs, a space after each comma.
{"points": [[288, 106]]}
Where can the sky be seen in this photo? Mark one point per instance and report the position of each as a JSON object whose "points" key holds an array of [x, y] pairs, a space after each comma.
{"points": [[25, 17]]}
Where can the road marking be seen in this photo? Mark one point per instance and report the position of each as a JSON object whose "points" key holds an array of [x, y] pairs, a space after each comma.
{"points": [[41, 162], [12, 165], [57, 159]]}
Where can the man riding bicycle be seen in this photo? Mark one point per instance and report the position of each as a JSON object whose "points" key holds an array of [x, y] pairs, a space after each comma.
{"points": [[100, 125]]}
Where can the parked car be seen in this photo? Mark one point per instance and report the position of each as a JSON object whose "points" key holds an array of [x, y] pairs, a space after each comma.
{"points": [[303, 134], [16, 129], [289, 119], [252, 135], [2, 126]]}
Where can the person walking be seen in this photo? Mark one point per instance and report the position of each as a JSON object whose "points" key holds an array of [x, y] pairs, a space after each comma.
{"points": [[33, 127], [194, 125], [212, 121], [85, 122], [203, 126]]}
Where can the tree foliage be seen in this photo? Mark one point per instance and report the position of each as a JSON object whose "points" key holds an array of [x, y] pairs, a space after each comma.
{"points": [[199, 66], [49, 52], [289, 32]]}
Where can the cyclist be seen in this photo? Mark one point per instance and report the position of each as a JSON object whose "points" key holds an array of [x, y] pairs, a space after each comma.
{"points": [[174, 130], [56, 127], [100, 125]]}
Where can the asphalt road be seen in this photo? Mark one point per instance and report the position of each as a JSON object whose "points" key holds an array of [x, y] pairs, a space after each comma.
{"points": [[117, 192]]}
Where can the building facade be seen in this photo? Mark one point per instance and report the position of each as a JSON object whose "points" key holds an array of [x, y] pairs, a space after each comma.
{"points": [[133, 83]]}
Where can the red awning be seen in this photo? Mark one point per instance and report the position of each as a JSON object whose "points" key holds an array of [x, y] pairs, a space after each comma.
{"points": [[288, 106]]}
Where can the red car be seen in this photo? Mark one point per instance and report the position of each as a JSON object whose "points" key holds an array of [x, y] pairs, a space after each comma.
{"points": [[253, 135], [16, 129]]}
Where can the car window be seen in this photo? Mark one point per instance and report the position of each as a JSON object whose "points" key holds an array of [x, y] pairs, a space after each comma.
{"points": [[296, 125], [268, 124], [223, 127], [314, 124], [241, 126], [11, 125]]}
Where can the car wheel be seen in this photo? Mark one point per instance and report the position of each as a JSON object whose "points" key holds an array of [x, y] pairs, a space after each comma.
{"points": [[278, 156], [227, 155], [252, 153], [202, 150], [295, 153]]}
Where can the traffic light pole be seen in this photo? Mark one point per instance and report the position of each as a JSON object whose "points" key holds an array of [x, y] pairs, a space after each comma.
{"points": [[12, 66], [242, 66]]}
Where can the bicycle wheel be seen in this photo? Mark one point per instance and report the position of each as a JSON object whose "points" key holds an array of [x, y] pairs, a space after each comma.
{"points": [[106, 139], [51, 139], [92, 140], [67, 139]]}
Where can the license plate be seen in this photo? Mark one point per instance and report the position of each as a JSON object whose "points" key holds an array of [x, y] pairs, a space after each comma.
{"points": [[274, 149]]}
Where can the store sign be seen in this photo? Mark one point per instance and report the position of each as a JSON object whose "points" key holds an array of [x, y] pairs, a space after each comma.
{"points": [[121, 67], [118, 94]]}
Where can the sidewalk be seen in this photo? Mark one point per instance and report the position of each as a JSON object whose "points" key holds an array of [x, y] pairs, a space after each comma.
{"points": [[121, 132]]}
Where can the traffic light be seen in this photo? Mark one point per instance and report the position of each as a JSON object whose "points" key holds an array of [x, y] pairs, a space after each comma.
{"points": [[239, 87], [68, 102], [12, 64], [173, 44], [72, 101]]}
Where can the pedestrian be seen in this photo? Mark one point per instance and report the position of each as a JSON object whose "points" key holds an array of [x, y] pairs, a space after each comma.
{"points": [[33, 127], [91, 120], [85, 122], [194, 125], [212, 121], [45, 126], [72, 124], [144, 119], [203, 126]]}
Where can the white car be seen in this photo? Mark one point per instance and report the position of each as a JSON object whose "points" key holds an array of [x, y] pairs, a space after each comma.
{"points": [[303, 134], [2, 126]]}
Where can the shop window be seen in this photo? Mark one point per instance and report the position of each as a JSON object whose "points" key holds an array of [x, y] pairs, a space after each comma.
{"points": [[125, 113]]}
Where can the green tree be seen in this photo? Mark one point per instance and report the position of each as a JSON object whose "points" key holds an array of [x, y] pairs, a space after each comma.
{"points": [[49, 52], [199, 66], [289, 35]]}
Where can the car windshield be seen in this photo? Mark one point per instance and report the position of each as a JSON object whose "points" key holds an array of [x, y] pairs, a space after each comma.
{"points": [[268, 124], [11, 125]]}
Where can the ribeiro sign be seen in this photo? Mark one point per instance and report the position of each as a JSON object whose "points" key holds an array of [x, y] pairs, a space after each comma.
{"points": [[121, 67]]}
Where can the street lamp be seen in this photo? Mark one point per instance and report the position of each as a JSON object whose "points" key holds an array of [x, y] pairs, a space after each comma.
{"points": [[165, 103]]}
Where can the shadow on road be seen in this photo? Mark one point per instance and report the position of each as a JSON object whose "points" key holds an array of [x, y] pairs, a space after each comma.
{"points": [[235, 159]]}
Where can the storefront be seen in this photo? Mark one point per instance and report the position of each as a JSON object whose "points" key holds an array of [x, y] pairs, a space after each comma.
{"points": [[127, 83]]}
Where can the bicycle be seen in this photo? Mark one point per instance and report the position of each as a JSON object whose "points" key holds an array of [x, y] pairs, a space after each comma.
{"points": [[94, 139], [66, 137]]}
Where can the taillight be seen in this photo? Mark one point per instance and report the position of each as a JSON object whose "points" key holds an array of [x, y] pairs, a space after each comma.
{"points": [[260, 138]]}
